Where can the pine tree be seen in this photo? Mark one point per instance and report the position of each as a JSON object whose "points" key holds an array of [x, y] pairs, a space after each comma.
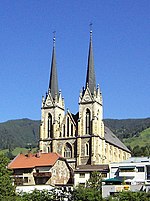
{"points": [[6, 187]]}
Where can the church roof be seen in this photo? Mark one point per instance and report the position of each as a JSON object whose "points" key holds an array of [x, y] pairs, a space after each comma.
{"points": [[90, 77], [34, 160], [53, 84], [112, 139]]}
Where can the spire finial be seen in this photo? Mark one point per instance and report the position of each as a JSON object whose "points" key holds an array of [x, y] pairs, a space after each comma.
{"points": [[54, 34], [91, 24]]}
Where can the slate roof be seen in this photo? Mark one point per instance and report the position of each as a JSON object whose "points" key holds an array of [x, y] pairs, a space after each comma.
{"points": [[34, 160], [137, 160], [112, 139]]}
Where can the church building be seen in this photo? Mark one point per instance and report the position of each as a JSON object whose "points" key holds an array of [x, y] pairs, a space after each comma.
{"points": [[81, 138]]}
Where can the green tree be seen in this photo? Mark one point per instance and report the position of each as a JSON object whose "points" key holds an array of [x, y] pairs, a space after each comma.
{"points": [[92, 191], [38, 196], [6, 187]]}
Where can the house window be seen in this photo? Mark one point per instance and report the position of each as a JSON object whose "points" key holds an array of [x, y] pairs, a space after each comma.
{"points": [[82, 184], [140, 169], [88, 122], [68, 127], [50, 129], [68, 151], [25, 179], [103, 175], [82, 175]]}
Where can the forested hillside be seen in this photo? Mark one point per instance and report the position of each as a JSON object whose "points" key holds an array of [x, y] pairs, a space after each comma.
{"points": [[127, 128], [19, 133]]}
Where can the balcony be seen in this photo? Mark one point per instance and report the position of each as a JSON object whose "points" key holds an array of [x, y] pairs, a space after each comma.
{"points": [[42, 174]]}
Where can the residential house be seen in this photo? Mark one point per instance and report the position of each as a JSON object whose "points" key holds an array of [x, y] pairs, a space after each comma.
{"points": [[40, 169], [83, 173]]}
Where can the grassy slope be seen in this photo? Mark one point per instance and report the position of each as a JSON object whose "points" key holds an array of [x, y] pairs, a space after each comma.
{"points": [[142, 140], [18, 150]]}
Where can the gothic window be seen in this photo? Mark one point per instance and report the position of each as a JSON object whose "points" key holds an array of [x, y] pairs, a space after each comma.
{"points": [[87, 149], [68, 151], [71, 129], [64, 130], [50, 126], [68, 127], [88, 122]]}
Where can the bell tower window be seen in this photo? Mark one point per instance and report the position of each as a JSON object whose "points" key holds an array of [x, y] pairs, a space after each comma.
{"points": [[68, 127], [88, 122], [64, 130], [87, 149], [50, 126], [71, 129]]}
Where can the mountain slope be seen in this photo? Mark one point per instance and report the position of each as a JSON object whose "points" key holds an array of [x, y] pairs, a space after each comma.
{"points": [[142, 140], [127, 128], [18, 133]]}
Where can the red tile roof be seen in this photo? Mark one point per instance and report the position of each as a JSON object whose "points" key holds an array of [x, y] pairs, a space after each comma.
{"points": [[34, 160]]}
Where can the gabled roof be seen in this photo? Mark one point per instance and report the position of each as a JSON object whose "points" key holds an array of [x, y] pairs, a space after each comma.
{"points": [[34, 160], [112, 139]]}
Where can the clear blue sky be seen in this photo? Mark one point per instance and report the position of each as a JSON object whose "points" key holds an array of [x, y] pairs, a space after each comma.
{"points": [[121, 42]]}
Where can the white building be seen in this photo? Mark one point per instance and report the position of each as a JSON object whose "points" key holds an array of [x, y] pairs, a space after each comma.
{"points": [[135, 170], [83, 173]]}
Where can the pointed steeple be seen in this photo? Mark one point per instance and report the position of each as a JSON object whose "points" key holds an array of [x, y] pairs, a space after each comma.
{"points": [[53, 84], [90, 77]]}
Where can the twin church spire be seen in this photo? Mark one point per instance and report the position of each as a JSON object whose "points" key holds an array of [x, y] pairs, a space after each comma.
{"points": [[90, 76], [53, 83]]}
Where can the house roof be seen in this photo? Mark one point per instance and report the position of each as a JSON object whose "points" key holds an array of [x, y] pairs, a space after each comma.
{"points": [[91, 168], [112, 139], [34, 160], [137, 160]]}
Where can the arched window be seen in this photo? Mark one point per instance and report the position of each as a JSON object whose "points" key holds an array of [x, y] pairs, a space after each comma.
{"points": [[50, 126], [71, 129], [64, 130], [68, 127], [87, 149], [68, 151], [88, 122]]}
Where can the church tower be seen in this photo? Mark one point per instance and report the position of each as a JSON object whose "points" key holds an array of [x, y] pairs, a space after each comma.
{"points": [[90, 141], [52, 111], [57, 129]]}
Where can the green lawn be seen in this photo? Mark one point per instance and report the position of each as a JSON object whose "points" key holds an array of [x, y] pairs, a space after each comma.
{"points": [[18, 150]]}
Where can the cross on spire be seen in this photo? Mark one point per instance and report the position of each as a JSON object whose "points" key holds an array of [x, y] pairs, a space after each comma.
{"points": [[54, 34]]}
